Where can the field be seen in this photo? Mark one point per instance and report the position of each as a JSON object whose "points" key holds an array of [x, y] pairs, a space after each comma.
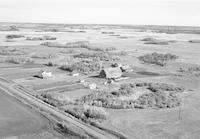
{"points": [[157, 98], [19, 120]]}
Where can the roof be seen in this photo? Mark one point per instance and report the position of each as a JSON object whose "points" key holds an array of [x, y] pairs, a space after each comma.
{"points": [[111, 72]]}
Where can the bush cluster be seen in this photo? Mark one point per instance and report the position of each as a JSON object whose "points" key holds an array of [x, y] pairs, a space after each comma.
{"points": [[13, 36], [157, 59], [10, 51], [43, 56], [97, 56], [158, 99], [19, 60], [119, 53], [148, 39], [41, 38], [57, 99], [79, 44], [83, 44], [82, 66], [86, 112], [9, 28], [105, 32], [161, 96], [125, 89], [157, 42], [53, 44], [110, 49]]}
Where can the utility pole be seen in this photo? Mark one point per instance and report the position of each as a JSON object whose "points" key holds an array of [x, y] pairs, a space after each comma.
{"points": [[180, 110]]}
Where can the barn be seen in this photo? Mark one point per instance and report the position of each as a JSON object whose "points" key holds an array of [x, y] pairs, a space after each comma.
{"points": [[111, 73]]}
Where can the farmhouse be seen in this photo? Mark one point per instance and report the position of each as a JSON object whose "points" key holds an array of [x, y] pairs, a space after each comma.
{"points": [[43, 74], [111, 73]]}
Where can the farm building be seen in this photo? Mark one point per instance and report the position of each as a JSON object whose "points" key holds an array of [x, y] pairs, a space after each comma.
{"points": [[111, 73], [43, 74], [124, 68]]}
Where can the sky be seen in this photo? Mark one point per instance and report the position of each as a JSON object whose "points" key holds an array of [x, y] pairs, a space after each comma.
{"points": [[144, 12]]}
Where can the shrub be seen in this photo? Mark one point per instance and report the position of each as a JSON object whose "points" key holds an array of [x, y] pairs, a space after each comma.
{"points": [[53, 44], [104, 32], [86, 113], [82, 31], [119, 53], [43, 56], [158, 99], [19, 60], [158, 86], [148, 39], [83, 66], [125, 89], [195, 70], [13, 36], [105, 99], [95, 112], [102, 56], [41, 38], [71, 131], [10, 51], [69, 68], [34, 38], [51, 30], [60, 61], [77, 111], [70, 51], [161, 96], [78, 44], [49, 38], [96, 49], [110, 49], [61, 99], [50, 64], [158, 59], [9, 28], [83, 44], [4, 52], [190, 69], [154, 87], [157, 42]]}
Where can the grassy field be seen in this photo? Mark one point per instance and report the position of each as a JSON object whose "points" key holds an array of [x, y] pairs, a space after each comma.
{"points": [[155, 54], [16, 119]]}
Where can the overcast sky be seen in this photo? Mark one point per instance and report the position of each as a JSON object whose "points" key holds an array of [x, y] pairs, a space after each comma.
{"points": [[157, 12]]}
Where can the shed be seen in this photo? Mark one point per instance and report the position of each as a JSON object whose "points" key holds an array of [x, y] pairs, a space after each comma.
{"points": [[111, 73], [126, 68]]}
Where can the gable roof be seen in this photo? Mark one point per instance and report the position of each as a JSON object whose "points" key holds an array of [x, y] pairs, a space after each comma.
{"points": [[111, 73]]}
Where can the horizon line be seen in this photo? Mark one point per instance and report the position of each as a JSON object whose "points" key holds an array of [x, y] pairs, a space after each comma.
{"points": [[115, 24]]}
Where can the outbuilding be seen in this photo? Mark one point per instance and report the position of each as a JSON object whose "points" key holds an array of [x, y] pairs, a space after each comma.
{"points": [[111, 73], [43, 74]]}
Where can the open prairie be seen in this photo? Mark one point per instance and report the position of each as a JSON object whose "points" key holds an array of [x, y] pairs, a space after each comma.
{"points": [[129, 81]]}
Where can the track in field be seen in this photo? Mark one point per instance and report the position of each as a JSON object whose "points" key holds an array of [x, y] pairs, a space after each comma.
{"points": [[51, 85], [60, 89]]}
